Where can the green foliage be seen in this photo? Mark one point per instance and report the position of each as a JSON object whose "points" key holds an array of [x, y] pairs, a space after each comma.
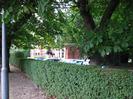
{"points": [[15, 57], [59, 22], [68, 81], [117, 37]]}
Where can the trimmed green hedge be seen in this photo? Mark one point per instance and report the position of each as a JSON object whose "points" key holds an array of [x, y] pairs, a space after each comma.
{"points": [[15, 58], [67, 81]]}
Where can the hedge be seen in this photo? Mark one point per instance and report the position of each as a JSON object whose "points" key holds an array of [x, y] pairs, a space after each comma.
{"points": [[16, 56], [69, 81]]}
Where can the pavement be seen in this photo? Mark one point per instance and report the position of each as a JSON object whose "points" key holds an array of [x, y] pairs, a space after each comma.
{"points": [[21, 87]]}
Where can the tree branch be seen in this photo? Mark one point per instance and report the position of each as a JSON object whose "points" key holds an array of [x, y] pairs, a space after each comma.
{"points": [[108, 13], [85, 13]]}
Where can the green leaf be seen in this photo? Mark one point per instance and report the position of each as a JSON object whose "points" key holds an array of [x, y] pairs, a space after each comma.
{"points": [[103, 53], [108, 50], [117, 49], [124, 44]]}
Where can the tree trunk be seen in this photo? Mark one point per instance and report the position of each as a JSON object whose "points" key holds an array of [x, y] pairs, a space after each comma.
{"points": [[113, 4], [9, 38], [85, 13], [8, 57]]}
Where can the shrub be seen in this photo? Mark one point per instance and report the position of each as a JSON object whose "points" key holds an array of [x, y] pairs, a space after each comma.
{"points": [[15, 58], [69, 81]]}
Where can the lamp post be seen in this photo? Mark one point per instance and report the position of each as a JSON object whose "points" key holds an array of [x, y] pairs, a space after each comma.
{"points": [[4, 70]]}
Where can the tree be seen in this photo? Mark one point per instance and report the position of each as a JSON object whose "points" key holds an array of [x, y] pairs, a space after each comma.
{"points": [[110, 36], [18, 12], [108, 29], [105, 24], [23, 27]]}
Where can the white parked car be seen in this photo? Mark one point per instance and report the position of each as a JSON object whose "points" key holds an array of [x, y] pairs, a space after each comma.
{"points": [[83, 62], [72, 61], [76, 61]]}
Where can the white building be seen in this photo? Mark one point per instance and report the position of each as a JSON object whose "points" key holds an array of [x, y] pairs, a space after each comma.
{"points": [[57, 53]]}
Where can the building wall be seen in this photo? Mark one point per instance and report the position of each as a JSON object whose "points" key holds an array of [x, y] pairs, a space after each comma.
{"points": [[72, 52], [37, 52], [68, 52], [58, 53]]}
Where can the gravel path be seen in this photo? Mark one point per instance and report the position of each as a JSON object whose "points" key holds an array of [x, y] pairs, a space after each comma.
{"points": [[22, 88]]}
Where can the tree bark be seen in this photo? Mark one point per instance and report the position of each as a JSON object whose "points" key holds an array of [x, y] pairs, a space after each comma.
{"points": [[9, 40], [84, 8], [113, 4], [8, 57], [85, 13]]}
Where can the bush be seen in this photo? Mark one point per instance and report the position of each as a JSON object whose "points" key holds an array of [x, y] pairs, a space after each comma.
{"points": [[68, 81], [15, 58]]}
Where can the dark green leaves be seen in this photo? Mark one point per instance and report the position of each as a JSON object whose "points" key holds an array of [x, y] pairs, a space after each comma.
{"points": [[78, 82]]}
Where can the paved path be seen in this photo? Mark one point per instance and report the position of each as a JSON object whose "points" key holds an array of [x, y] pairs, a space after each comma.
{"points": [[23, 88]]}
